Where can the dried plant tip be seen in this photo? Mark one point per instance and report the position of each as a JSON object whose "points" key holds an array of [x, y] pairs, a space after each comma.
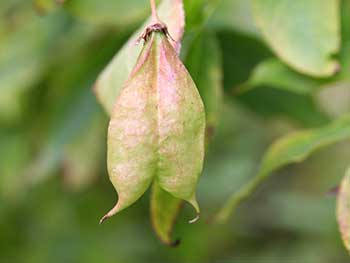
{"points": [[157, 27], [104, 218], [194, 220], [111, 213]]}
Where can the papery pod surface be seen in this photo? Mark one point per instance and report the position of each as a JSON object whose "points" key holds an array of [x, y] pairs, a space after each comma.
{"points": [[157, 128]]}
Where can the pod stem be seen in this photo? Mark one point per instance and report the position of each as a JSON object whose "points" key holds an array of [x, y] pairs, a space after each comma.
{"points": [[156, 25], [155, 17]]}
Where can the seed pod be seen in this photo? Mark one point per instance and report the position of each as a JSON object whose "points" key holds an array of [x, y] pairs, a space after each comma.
{"points": [[157, 127]]}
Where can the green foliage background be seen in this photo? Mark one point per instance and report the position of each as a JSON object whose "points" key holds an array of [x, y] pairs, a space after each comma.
{"points": [[53, 181]]}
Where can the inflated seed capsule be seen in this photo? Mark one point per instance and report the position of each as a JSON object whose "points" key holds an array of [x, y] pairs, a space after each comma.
{"points": [[157, 127]]}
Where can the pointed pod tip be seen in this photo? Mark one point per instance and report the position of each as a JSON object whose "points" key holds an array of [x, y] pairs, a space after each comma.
{"points": [[194, 220], [194, 203], [111, 213], [104, 218]]}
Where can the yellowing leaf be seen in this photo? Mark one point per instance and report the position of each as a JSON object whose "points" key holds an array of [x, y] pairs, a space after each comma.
{"points": [[157, 128], [343, 209], [292, 148], [164, 210], [111, 80], [304, 34]]}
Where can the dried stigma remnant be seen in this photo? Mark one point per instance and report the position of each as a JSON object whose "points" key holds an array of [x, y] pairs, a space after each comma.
{"points": [[157, 126], [157, 27]]}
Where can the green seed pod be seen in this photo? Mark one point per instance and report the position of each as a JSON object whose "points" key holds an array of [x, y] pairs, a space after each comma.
{"points": [[157, 127]]}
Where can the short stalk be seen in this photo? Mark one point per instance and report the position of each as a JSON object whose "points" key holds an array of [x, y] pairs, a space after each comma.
{"points": [[155, 18]]}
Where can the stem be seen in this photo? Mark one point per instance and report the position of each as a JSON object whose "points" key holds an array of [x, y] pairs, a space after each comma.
{"points": [[155, 17], [237, 198]]}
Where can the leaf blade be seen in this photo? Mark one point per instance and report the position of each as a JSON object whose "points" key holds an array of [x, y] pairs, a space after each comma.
{"points": [[204, 64], [292, 148], [235, 14], [273, 73], [304, 34], [104, 13]]}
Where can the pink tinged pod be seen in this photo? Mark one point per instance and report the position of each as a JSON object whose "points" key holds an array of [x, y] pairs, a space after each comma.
{"points": [[157, 128]]}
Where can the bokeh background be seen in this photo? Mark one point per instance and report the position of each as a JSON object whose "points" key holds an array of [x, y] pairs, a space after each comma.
{"points": [[54, 185]]}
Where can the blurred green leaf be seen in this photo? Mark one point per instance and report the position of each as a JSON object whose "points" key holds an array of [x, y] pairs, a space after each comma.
{"points": [[67, 128], [164, 211], [304, 34], [195, 8], [240, 55], [236, 15], [292, 148], [273, 73], [109, 12], [345, 40], [204, 64], [11, 7], [71, 105], [343, 209], [45, 6], [22, 65], [83, 157], [15, 154], [297, 209], [272, 103], [233, 153], [111, 80]]}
